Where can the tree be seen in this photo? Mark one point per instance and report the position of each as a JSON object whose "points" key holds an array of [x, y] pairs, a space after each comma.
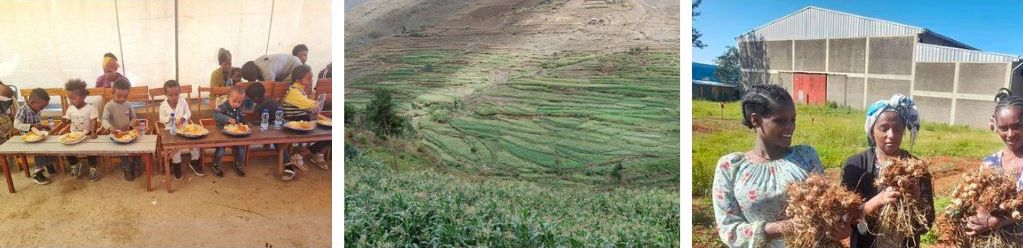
{"points": [[381, 114], [728, 70], [697, 43]]}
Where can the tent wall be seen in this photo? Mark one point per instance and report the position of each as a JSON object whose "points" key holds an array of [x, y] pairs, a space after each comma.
{"points": [[45, 43]]}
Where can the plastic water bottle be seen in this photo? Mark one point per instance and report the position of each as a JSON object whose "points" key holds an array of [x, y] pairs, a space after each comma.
{"points": [[49, 122], [279, 118], [172, 125], [265, 123]]}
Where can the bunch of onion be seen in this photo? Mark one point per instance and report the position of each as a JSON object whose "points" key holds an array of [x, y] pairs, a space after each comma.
{"points": [[985, 189], [907, 215], [818, 207]]}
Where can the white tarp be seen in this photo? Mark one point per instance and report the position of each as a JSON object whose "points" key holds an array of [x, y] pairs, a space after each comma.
{"points": [[45, 43]]}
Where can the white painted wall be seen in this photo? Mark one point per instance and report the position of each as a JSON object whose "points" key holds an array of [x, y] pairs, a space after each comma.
{"points": [[45, 43]]}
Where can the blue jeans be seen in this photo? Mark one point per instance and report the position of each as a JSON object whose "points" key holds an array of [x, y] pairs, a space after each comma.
{"points": [[43, 160], [128, 161], [239, 155]]}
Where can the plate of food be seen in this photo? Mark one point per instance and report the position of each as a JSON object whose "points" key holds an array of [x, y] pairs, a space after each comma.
{"points": [[301, 125], [193, 131], [237, 129], [34, 135], [72, 138], [323, 121], [124, 137]]}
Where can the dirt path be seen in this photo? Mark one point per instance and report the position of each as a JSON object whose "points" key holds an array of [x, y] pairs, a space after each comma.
{"points": [[253, 211]]}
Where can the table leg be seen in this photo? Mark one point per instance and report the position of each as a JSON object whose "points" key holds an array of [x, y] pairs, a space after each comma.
{"points": [[24, 160], [280, 158], [148, 160], [7, 174], [167, 171]]}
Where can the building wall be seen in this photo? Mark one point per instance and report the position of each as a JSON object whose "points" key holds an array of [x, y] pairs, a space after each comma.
{"points": [[883, 89], [847, 55], [779, 55], [935, 109], [982, 78], [854, 87], [935, 76], [809, 55], [837, 91], [974, 113], [864, 70], [891, 55]]}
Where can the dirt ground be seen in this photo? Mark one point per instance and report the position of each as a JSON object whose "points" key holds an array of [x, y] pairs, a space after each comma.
{"points": [[258, 210]]}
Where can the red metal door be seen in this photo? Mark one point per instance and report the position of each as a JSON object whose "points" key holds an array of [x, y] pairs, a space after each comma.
{"points": [[810, 88]]}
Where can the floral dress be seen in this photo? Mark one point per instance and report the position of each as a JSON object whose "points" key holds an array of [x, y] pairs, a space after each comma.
{"points": [[748, 195], [994, 161]]}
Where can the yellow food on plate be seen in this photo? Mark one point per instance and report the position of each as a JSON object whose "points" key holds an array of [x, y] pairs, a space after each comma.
{"points": [[32, 137], [237, 128], [324, 121], [301, 125], [72, 137], [126, 136], [193, 129]]}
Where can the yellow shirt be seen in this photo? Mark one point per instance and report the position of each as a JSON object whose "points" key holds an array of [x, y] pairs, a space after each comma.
{"points": [[217, 79], [296, 98]]}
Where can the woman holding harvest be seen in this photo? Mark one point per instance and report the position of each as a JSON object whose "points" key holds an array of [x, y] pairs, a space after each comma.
{"points": [[886, 123], [749, 190], [1008, 123]]}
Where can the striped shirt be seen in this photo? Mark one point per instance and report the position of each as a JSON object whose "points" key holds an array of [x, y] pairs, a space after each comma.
{"points": [[296, 104], [25, 118]]}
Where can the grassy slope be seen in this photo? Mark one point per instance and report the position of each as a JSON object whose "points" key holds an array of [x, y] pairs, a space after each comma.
{"points": [[526, 161], [388, 206], [570, 119]]}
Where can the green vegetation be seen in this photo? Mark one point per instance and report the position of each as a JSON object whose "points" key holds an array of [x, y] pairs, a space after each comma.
{"points": [[835, 132], [380, 112], [517, 150], [389, 207]]}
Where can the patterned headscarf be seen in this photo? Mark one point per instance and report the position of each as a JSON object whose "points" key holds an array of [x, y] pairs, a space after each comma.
{"points": [[900, 104]]}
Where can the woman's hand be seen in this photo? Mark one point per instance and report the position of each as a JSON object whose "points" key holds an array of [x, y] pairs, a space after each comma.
{"points": [[886, 196], [983, 222], [842, 232]]}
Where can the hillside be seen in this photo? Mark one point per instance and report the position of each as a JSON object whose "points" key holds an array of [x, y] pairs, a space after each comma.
{"points": [[529, 106]]}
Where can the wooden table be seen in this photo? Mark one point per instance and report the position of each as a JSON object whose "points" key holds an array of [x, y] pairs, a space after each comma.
{"points": [[216, 138], [145, 147]]}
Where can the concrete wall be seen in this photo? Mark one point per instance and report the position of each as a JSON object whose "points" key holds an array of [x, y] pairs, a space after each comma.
{"points": [[882, 89], [751, 78], [935, 109], [891, 55], [810, 55], [973, 113], [854, 87], [837, 89], [934, 76], [1016, 83], [982, 78], [785, 80], [847, 55], [45, 43], [779, 55]]}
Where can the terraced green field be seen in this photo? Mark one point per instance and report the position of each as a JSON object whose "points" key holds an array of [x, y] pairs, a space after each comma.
{"points": [[571, 119], [518, 150]]}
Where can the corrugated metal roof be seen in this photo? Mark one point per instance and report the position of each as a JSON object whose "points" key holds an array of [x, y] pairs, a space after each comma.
{"points": [[712, 83], [818, 23], [935, 53]]}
